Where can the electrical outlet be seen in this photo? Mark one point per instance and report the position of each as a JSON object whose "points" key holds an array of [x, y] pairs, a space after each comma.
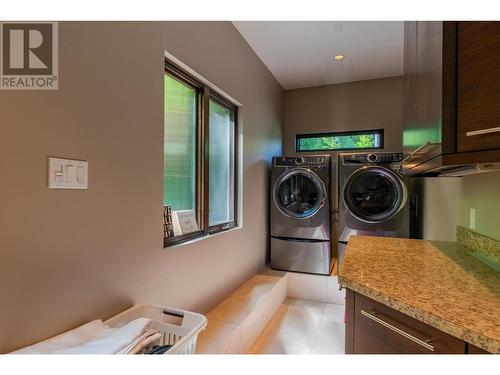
{"points": [[472, 218]]}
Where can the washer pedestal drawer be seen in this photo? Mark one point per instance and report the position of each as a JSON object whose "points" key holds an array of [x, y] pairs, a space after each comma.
{"points": [[301, 255]]}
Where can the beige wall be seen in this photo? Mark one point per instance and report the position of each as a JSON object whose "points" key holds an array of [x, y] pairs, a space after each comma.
{"points": [[482, 193], [439, 201], [446, 203], [71, 256], [360, 105]]}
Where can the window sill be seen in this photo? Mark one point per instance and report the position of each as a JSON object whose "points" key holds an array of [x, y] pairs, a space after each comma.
{"points": [[198, 239]]}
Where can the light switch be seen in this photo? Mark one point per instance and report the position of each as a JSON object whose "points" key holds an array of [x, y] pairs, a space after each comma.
{"points": [[59, 174], [68, 174], [80, 174]]}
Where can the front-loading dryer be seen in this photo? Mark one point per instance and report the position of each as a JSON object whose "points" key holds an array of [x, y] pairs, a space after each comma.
{"points": [[373, 197], [301, 214]]}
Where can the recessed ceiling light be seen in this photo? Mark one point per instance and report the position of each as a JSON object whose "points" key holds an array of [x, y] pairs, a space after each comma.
{"points": [[338, 57]]}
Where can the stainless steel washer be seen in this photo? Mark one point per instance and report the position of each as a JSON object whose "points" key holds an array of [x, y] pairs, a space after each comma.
{"points": [[300, 214], [373, 197]]}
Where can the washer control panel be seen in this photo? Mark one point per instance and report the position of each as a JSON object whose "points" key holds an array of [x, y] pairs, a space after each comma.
{"points": [[292, 161]]}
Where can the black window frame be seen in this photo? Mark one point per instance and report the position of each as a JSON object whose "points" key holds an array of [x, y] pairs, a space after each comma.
{"points": [[203, 95], [298, 137]]}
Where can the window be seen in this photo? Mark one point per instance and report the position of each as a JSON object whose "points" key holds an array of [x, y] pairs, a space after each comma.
{"points": [[340, 141], [221, 165], [180, 145], [200, 158]]}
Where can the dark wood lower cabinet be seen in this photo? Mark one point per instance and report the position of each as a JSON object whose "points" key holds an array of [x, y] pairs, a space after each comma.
{"points": [[471, 349], [373, 328]]}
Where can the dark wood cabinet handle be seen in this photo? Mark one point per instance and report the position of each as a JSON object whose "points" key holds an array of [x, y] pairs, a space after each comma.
{"points": [[377, 318]]}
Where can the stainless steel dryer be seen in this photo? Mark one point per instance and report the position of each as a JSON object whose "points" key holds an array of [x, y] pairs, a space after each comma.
{"points": [[373, 197], [300, 214]]}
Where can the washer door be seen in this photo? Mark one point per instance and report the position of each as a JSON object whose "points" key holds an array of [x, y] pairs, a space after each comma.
{"points": [[299, 193], [374, 194]]}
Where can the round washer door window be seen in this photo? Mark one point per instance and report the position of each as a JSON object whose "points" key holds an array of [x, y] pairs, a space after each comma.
{"points": [[374, 194], [299, 193]]}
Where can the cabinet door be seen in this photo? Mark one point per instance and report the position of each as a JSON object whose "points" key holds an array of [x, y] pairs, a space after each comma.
{"points": [[429, 82], [410, 88], [475, 350], [378, 329], [422, 92], [478, 89]]}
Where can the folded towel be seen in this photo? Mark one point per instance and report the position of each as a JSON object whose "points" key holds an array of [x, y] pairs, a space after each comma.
{"points": [[74, 337], [147, 338], [116, 341], [96, 338]]}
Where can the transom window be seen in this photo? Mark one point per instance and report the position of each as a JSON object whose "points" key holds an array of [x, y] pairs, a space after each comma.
{"points": [[200, 187], [340, 141]]}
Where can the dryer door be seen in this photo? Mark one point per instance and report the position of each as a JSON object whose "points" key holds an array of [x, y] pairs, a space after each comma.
{"points": [[374, 194], [299, 193]]}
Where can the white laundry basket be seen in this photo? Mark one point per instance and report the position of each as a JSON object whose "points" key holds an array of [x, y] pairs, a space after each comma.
{"points": [[179, 328]]}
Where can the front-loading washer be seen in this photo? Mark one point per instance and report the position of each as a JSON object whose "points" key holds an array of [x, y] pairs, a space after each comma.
{"points": [[300, 222]]}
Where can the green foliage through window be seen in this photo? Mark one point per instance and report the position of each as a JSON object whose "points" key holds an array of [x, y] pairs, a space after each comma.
{"points": [[221, 167], [179, 153], [371, 139]]}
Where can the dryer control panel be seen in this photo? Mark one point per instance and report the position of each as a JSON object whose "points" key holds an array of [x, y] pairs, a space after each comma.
{"points": [[296, 161], [372, 158]]}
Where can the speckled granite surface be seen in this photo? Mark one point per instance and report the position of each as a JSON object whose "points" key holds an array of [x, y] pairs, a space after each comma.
{"points": [[478, 243], [438, 283]]}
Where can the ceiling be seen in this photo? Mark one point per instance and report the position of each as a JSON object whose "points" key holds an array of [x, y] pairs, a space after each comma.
{"points": [[300, 53]]}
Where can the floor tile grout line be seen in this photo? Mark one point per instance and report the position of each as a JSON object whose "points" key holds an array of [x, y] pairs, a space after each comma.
{"points": [[266, 327], [323, 310], [267, 330], [317, 330], [323, 321]]}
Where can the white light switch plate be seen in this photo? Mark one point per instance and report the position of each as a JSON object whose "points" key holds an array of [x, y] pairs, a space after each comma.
{"points": [[68, 174]]}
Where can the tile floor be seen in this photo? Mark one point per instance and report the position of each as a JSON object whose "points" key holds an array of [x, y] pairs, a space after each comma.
{"points": [[303, 327]]}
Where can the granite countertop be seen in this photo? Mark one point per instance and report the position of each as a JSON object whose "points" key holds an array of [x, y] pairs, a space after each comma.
{"points": [[438, 283]]}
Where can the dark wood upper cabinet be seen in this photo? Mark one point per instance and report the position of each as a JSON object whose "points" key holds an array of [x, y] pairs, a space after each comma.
{"points": [[451, 95], [478, 86]]}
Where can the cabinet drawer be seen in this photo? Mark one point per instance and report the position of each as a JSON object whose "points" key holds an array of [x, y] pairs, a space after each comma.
{"points": [[478, 88], [379, 329]]}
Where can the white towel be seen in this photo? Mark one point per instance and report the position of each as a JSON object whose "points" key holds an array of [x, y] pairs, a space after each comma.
{"points": [[114, 342], [74, 337], [95, 338], [141, 342]]}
